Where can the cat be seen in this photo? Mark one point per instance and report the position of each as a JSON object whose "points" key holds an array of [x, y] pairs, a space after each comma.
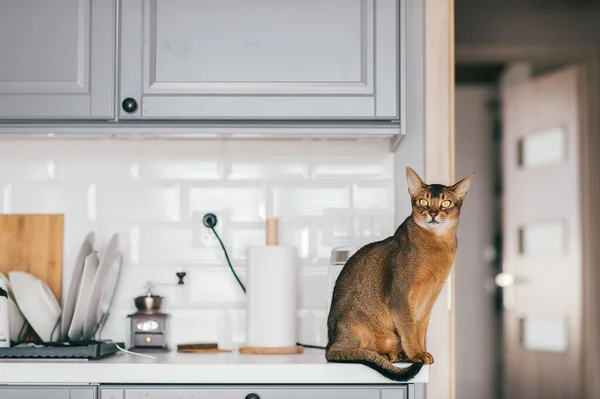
{"points": [[383, 297]]}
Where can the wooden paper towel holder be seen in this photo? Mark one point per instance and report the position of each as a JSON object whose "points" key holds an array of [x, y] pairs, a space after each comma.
{"points": [[272, 238]]}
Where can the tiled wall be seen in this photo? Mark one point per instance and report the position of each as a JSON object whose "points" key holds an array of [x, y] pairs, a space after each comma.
{"points": [[155, 192]]}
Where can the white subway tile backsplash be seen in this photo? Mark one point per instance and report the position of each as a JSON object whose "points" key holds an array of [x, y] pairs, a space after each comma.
{"points": [[198, 325], [309, 201], [129, 239], [216, 286], [154, 193], [132, 283], [117, 326], [27, 160], [308, 327], [47, 197], [296, 235], [243, 238], [236, 328], [173, 245], [373, 227], [352, 160], [373, 196], [339, 225], [312, 288], [322, 244], [239, 202], [97, 160], [181, 159], [321, 325], [267, 160], [138, 202]]}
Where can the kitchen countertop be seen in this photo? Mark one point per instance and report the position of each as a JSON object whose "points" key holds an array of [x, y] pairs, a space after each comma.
{"points": [[178, 368]]}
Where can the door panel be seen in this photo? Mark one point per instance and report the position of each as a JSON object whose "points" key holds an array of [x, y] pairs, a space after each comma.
{"points": [[260, 59], [57, 59], [542, 230]]}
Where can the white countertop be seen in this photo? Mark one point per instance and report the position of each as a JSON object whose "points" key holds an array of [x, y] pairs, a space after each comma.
{"points": [[177, 368]]}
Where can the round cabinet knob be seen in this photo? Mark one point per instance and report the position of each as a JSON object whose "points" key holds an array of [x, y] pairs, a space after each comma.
{"points": [[129, 105], [252, 396]]}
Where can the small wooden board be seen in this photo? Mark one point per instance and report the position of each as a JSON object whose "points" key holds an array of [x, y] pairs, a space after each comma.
{"points": [[255, 350], [204, 351], [33, 243], [198, 345]]}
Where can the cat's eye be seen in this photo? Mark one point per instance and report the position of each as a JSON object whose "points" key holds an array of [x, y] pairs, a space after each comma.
{"points": [[446, 204], [423, 202]]}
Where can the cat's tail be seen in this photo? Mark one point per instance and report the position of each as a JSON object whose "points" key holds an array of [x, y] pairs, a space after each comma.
{"points": [[375, 361]]}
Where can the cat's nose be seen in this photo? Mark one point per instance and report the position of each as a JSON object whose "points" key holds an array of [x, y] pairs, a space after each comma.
{"points": [[433, 214]]}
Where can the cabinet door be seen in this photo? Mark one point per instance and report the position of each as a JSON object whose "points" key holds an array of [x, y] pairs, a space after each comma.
{"points": [[57, 59], [47, 392], [260, 59]]}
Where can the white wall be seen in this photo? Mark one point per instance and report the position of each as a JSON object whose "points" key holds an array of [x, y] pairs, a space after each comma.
{"points": [[154, 194], [475, 333]]}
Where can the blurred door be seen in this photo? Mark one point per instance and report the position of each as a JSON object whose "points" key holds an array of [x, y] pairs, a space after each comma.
{"points": [[542, 250]]}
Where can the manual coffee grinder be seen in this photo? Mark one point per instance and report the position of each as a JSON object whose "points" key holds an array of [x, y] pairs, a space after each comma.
{"points": [[148, 325]]}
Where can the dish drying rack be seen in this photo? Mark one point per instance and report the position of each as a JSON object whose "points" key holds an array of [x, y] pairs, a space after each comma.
{"points": [[87, 350]]}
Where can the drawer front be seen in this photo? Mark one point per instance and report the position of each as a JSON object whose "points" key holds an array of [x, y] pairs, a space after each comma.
{"points": [[249, 393], [141, 340], [47, 392], [253, 393]]}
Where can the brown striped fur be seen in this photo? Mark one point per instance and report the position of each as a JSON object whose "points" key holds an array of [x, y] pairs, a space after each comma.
{"points": [[383, 297]]}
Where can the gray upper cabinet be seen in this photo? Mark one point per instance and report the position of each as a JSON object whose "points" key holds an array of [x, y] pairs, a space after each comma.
{"points": [[57, 59], [256, 59]]}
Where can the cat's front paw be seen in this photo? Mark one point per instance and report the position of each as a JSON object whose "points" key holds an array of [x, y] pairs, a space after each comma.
{"points": [[391, 356], [423, 357]]}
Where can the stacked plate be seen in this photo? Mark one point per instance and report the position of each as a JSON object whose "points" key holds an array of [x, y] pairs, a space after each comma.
{"points": [[93, 285], [92, 289], [15, 317]]}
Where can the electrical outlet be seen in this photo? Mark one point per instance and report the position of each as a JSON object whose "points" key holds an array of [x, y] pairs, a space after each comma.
{"points": [[209, 239], [203, 236]]}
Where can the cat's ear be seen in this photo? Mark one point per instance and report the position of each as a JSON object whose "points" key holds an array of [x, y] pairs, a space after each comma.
{"points": [[413, 181], [460, 189]]}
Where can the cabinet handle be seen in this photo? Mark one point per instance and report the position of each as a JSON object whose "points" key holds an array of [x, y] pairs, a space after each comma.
{"points": [[129, 105], [252, 396]]}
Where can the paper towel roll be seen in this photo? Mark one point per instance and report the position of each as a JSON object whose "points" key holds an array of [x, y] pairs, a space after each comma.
{"points": [[271, 297]]}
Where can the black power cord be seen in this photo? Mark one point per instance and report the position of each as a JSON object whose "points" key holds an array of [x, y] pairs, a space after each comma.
{"points": [[210, 221]]}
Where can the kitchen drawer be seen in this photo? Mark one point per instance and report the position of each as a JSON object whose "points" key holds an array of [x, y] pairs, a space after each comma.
{"points": [[47, 392], [287, 392]]}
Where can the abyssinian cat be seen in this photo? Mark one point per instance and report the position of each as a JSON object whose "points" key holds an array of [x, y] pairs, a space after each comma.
{"points": [[383, 296]]}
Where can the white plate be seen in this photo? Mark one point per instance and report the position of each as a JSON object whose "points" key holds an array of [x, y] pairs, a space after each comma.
{"points": [[82, 305], [112, 280], [10, 291], [105, 273], [38, 304], [16, 320], [70, 304]]}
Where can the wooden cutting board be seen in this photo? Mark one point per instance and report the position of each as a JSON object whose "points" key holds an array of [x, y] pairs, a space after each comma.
{"points": [[33, 244]]}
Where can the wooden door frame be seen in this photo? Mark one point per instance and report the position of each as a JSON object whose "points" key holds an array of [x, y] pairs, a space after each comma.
{"points": [[427, 145], [439, 168], [588, 56]]}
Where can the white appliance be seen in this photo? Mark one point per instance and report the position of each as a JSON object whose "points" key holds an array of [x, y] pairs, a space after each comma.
{"points": [[339, 257]]}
